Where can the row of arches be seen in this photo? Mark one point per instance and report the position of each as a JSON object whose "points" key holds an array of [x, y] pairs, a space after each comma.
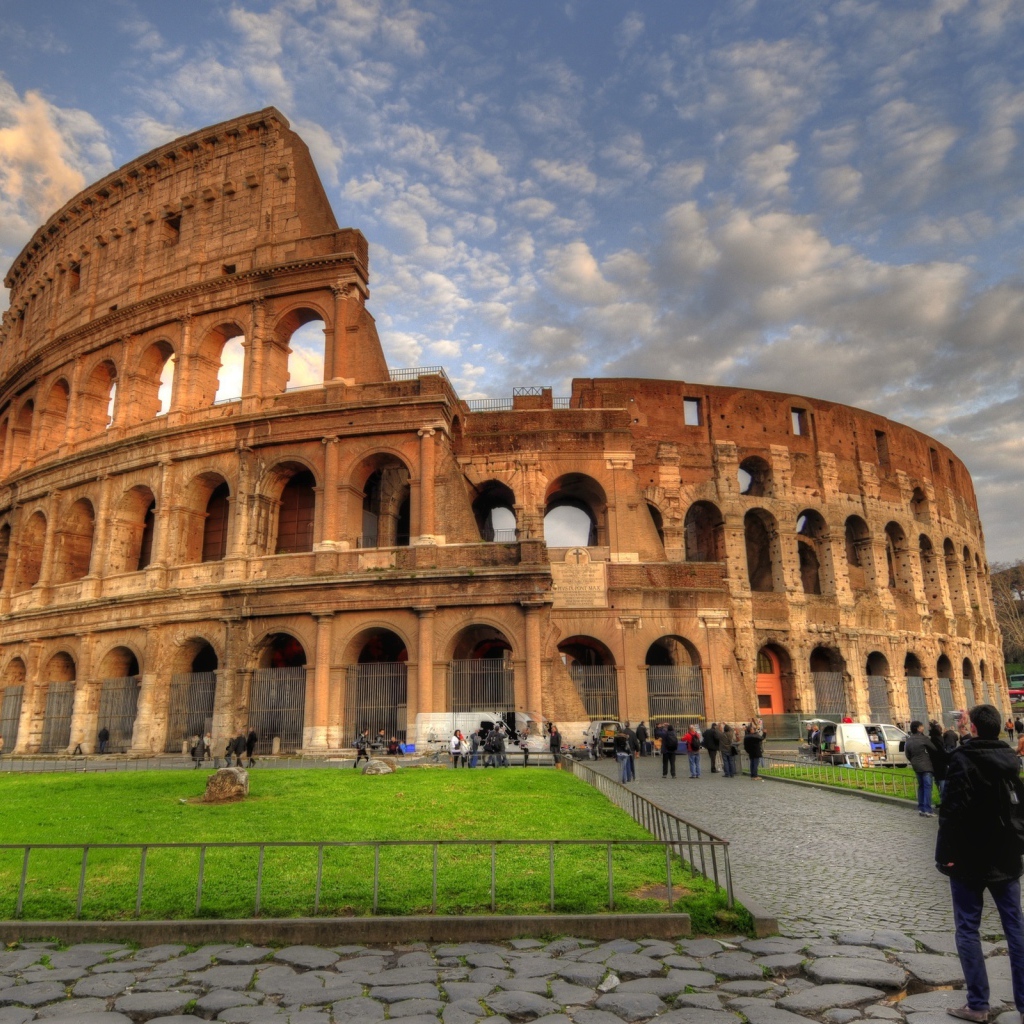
{"points": [[162, 376]]}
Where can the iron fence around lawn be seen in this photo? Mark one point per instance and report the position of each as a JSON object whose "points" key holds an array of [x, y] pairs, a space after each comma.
{"points": [[49, 873], [889, 782], [705, 853]]}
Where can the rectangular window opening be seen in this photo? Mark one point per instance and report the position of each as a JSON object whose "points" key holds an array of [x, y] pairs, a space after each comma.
{"points": [[692, 416], [799, 417], [934, 456], [229, 268], [74, 278], [882, 447], [172, 229]]}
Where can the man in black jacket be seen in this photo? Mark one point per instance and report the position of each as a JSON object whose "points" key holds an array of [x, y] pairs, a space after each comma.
{"points": [[979, 846], [713, 744]]}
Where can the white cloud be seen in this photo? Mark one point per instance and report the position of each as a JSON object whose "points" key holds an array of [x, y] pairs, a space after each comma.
{"points": [[767, 171], [568, 173]]}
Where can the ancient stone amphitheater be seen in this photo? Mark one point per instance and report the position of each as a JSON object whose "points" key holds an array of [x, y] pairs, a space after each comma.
{"points": [[190, 544]]}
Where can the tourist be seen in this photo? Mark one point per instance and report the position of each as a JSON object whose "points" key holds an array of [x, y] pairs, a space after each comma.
{"points": [[490, 748], [1018, 725], [502, 752], [362, 743], [692, 740], [474, 748], [730, 751], [1020, 751], [393, 746], [1009, 728], [239, 748], [250, 746], [939, 758], [104, 737], [555, 746], [456, 749], [753, 746], [641, 738], [713, 744], [623, 755], [197, 751], [979, 846], [669, 746], [595, 748], [919, 750]]}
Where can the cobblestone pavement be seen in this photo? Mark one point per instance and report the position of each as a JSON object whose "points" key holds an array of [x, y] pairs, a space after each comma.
{"points": [[813, 857], [847, 977]]}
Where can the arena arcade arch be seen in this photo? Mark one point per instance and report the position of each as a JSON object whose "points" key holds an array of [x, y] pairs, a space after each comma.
{"points": [[377, 684], [59, 675], [120, 680], [481, 673], [591, 666], [192, 693], [575, 512], [277, 694], [675, 682]]}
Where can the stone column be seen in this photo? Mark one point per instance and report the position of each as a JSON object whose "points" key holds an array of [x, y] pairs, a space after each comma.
{"points": [[162, 524], [49, 542], [252, 375], [426, 488], [92, 584], [31, 712], [182, 384], [317, 738], [329, 528], [229, 680], [424, 693], [154, 678], [534, 682], [83, 716]]}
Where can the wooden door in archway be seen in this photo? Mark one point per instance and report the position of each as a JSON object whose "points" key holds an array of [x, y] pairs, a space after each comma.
{"points": [[769, 683]]}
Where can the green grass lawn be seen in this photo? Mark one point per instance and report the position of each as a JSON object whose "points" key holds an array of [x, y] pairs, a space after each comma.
{"points": [[898, 782], [326, 805]]}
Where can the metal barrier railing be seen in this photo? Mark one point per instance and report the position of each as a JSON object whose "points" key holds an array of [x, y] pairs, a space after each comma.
{"points": [[436, 846], [871, 780], [706, 853]]}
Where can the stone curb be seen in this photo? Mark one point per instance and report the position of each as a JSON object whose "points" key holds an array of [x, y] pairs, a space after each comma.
{"points": [[765, 924], [332, 931]]}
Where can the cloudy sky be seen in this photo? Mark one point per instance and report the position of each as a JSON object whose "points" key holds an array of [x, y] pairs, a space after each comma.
{"points": [[817, 198]]}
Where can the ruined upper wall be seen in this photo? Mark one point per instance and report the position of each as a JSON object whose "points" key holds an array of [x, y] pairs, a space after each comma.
{"points": [[227, 199]]}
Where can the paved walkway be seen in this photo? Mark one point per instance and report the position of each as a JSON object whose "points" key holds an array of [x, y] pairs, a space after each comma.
{"points": [[815, 858]]}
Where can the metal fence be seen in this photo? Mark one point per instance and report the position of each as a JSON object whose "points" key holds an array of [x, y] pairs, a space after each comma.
{"points": [[481, 684], [878, 699], [413, 372], [918, 703], [10, 714], [375, 698], [60, 705], [706, 853], [830, 694], [190, 708], [890, 782], [675, 693], [598, 688], [119, 703], [455, 852], [277, 707], [946, 700], [968, 693]]}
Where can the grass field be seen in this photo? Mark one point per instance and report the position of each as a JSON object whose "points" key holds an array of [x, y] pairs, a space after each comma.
{"points": [[325, 805], [898, 782]]}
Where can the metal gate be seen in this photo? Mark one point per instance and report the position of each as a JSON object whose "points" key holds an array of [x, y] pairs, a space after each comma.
{"points": [[60, 705], [598, 688], [829, 694], [119, 704], [878, 699], [190, 709], [946, 699], [481, 684], [277, 707], [916, 700], [675, 693], [10, 712], [969, 693], [375, 699]]}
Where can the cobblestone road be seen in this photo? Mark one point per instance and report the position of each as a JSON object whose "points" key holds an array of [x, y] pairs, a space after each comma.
{"points": [[817, 859]]}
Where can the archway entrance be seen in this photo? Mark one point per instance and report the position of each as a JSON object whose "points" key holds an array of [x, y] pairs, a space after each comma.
{"points": [[481, 676], [377, 686], [877, 670], [277, 697], [60, 704], [592, 670], [119, 698], [675, 682], [193, 687], [769, 682]]}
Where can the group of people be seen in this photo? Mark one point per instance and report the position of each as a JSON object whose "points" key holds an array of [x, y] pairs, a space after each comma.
{"points": [[238, 747], [379, 744], [718, 738]]}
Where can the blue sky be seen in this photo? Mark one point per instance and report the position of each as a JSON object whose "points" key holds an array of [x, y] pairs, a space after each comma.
{"points": [[816, 198]]}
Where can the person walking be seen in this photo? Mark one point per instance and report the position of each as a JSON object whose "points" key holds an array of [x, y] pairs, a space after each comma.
{"points": [[713, 744], [104, 737], [362, 743], [979, 847], [753, 746], [623, 754], [474, 748], [555, 746], [1009, 728], [669, 746], [939, 757], [692, 741], [250, 747], [642, 739], [729, 751], [238, 747], [919, 751], [198, 751]]}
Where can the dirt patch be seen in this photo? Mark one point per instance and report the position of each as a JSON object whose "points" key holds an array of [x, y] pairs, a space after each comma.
{"points": [[659, 891]]}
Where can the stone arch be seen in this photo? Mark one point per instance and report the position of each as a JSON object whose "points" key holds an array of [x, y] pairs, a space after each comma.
{"points": [[481, 674], [672, 650], [197, 653], [967, 681], [376, 641], [828, 678], [480, 640], [120, 679], [97, 398], [954, 578], [193, 691], [897, 557], [584, 522], [764, 565], [858, 553], [53, 417], [22, 433], [287, 508], [74, 542], [816, 575], [218, 373], [675, 681], [658, 520], [60, 668], [704, 533], [494, 509], [376, 683], [591, 667], [930, 573], [30, 552], [5, 550], [877, 664], [131, 532], [755, 477], [381, 500], [58, 679], [154, 381], [206, 518], [301, 333], [919, 506], [774, 680]]}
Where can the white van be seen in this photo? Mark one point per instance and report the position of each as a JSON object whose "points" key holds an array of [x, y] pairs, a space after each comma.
{"points": [[863, 745], [435, 729]]}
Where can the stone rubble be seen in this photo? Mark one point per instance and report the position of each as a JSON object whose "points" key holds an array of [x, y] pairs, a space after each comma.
{"points": [[830, 978]]}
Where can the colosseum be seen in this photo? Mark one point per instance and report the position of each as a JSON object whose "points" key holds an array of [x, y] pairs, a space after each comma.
{"points": [[190, 542]]}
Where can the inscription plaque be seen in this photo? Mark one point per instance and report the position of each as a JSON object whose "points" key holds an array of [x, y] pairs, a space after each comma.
{"points": [[578, 582]]}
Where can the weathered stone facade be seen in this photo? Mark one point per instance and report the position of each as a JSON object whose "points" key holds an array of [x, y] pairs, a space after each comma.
{"points": [[321, 554]]}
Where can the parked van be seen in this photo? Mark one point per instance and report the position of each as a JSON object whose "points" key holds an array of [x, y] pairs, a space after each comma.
{"points": [[863, 745]]}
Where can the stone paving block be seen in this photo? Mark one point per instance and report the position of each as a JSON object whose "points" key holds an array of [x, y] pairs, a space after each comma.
{"points": [[781, 963], [420, 1018], [656, 948], [6, 981], [307, 988], [633, 965], [465, 948], [692, 979], [358, 1009], [71, 1008], [748, 987], [620, 946], [65, 975], [841, 1016], [18, 959], [565, 994], [416, 1008], [142, 1006], [103, 985], [595, 956], [560, 946], [771, 946], [456, 990], [817, 949], [533, 966], [686, 963], [252, 1014], [244, 955], [237, 977], [178, 1018], [222, 999], [521, 1005], [651, 986], [306, 956], [877, 1012], [488, 975], [272, 978], [416, 958], [933, 968], [158, 954], [396, 993], [594, 1017], [32, 995], [538, 985], [697, 1015], [407, 976], [453, 1014], [842, 970], [102, 1017], [526, 944], [78, 956], [707, 1000], [732, 966], [819, 998], [700, 947], [581, 974], [631, 1005], [555, 1018], [486, 960], [120, 967], [159, 984], [929, 1017], [883, 939], [16, 1015]]}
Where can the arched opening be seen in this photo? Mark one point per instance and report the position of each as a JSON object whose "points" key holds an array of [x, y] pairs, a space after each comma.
{"points": [[74, 543], [60, 674], [481, 676], [219, 372], [983, 679], [53, 418], [954, 579], [761, 535], [592, 670], [574, 513], [5, 550], [22, 435], [774, 681], [4, 437], [377, 685], [968, 683], [131, 534], [494, 511], [879, 700], [919, 505], [930, 574], [96, 400], [192, 695], [675, 682], [813, 549], [658, 520], [858, 553], [828, 677], [277, 697], [12, 693], [384, 483], [897, 557], [755, 477], [704, 533], [913, 676], [215, 526], [204, 519], [944, 678], [297, 513], [302, 334], [154, 381], [971, 579], [119, 698], [30, 553]]}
